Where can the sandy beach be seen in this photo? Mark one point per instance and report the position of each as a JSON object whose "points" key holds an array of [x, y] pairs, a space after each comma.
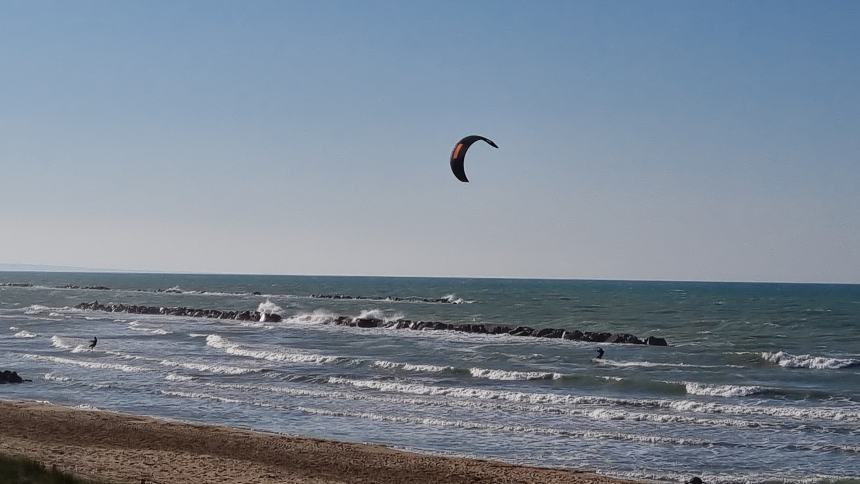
{"points": [[116, 447]]}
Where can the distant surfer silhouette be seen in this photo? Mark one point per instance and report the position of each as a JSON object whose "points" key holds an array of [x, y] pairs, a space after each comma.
{"points": [[599, 353], [94, 342]]}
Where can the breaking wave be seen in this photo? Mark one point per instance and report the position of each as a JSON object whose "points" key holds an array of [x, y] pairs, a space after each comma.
{"points": [[177, 377], [210, 368], [87, 363], [787, 360], [513, 375], [392, 365], [64, 344], [219, 342], [803, 413], [136, 326], [25, 334], [650, 364], [269, 307], [710, 390]]}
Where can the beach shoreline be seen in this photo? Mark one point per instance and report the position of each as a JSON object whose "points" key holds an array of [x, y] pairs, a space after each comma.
{"points": [[118, 447]]}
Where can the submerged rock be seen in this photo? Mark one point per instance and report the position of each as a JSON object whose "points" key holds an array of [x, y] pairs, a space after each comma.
{"points": [[11, 377]]}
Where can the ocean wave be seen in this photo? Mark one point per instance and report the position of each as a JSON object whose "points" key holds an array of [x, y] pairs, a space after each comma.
{"points": [[98, 365], [711, 390], [64, 344], [651, 364], [210, 368], [513, 375], [787, 360], [579, 434], [393, 365], [495, 406], [378, 314], [802, 413], [25, 334], [269, 307], [136, 326], [177, 377], [219, 342], [208, 396], [37, 309], [50, 376], [316, 317]]}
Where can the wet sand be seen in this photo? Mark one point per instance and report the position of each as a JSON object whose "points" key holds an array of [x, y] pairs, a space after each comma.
{"points": [[122, 448]]}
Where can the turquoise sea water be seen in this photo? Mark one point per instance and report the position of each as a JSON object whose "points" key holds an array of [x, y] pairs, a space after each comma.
{"points": [[760, 383]]}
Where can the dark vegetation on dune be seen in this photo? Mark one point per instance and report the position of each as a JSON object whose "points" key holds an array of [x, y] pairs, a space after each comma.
{"points": [[20, 470]]}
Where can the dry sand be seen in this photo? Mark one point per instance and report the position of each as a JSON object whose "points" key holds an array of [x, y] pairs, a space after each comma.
{"points": [[121, 448]]}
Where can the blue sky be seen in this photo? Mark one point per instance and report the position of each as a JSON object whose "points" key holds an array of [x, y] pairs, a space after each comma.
{"points": [[638, 140]]}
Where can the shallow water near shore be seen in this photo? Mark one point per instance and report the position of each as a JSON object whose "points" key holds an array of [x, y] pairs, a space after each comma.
{"points": [[760, 383]]}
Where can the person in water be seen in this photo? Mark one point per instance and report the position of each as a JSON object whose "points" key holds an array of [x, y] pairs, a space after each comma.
{"points": [[94, 342], [599, 353]]}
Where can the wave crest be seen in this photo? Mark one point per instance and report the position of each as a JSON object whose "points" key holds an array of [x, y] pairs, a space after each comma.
{"points": [[787, 360]]}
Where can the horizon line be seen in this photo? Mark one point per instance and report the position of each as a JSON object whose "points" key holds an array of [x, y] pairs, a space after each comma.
{"points": [[81, 270]]}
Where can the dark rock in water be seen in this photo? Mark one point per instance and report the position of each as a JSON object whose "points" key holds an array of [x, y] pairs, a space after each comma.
{"points": [[271, 318], [695, 480], [10, 377], [367, 322], [595, 337], [655, 341], [548, 333], [257, 293], [624, 338], [575, 335], [521, 331]]}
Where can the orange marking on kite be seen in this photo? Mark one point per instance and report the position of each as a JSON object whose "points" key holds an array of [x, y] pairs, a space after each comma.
{"points": [[457, 150]]}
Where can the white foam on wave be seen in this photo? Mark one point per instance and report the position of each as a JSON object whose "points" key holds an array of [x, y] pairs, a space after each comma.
{"points": [[24, 334], [177, 377], [136, 326], [453, 299], [65, 344], [50, 376], [210, 368], [787, 360], [98, 365], [13, 328], [393, 365], [37, 309], [319, 316], [651, 364], [711, 390], [281, 356], [399, 401], [437, 422], [513, 375], [269, 307], [378, 314], [207, 396], [803, 413]]}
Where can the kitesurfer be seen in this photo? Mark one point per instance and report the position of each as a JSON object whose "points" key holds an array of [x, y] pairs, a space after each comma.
{"points": [[94, 342]]}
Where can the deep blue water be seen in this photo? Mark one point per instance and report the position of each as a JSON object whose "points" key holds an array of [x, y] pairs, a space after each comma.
{"points": [[761, 382]]}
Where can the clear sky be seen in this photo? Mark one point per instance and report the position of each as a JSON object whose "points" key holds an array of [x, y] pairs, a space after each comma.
{"points": [[638, 140]]}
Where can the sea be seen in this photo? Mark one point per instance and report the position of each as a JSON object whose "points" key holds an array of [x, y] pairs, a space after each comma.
{"points": [[758, 383]]}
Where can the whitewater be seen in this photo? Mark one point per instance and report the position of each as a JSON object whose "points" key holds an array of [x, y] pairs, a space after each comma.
{"points": [[759, 383]]}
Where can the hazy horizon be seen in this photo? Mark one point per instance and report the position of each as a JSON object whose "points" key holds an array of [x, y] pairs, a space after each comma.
{"points": [[714, 141], [35, 268]]}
